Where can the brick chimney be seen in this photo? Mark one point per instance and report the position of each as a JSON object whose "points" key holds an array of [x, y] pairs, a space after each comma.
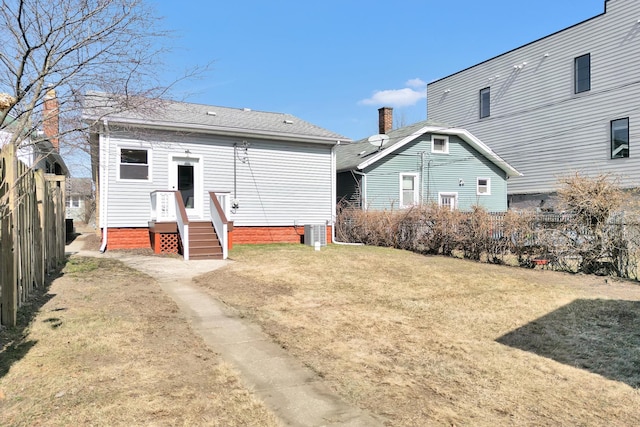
{"points": [[51, 121], [385, 119]]}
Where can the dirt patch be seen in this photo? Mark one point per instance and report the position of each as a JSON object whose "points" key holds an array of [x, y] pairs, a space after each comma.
{"points": [[439, 341], [105, 346]]}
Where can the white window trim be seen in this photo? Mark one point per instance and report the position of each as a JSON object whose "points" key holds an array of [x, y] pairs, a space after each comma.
{"points": [[149, 162], [488, 193], [446, 144], [416, 186], [448, 194]]}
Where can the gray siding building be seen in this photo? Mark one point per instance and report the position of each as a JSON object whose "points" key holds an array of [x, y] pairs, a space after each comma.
{"points": [[566, 103]]}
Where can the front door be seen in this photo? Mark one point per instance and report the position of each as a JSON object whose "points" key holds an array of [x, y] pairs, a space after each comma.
{"points": [[186, 178]]}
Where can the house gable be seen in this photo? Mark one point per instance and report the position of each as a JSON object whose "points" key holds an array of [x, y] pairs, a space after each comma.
{"points": [[455, 172]]}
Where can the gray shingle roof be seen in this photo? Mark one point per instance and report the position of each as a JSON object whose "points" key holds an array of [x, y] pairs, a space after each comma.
{"points": [[349, 156], [361, 153], [205, 118]]}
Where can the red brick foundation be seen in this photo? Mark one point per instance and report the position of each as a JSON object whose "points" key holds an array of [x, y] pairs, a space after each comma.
{"points": [[264, 235], [128, 238], [138, 238]]}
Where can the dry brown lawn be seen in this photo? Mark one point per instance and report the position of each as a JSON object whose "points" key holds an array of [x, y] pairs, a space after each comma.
{"points": [[438, 341], [106, 347]]}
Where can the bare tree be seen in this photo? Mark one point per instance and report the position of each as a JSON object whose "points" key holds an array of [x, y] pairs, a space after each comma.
{"points": [[70, 47]]}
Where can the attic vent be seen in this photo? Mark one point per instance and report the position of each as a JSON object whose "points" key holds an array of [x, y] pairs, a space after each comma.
{"points": [[211, 113], [246, 109], [289, 122]]}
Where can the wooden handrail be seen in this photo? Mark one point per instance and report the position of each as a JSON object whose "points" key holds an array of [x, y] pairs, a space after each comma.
{"points": [[216, 203], [183, 224], [181, 209], [220, 223]]}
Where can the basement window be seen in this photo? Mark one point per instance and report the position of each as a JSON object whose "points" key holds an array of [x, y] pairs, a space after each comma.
{"points": [[134, 164]]}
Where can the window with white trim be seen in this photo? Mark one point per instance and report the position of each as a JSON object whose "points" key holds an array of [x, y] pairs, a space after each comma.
{"points": [[133, 163], [483, 187], [449, 200], [408, 189], [439, 144], [73, 201]]}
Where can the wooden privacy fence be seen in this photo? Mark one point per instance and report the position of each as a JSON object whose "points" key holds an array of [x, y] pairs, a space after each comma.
{"points": [[32, 231]]}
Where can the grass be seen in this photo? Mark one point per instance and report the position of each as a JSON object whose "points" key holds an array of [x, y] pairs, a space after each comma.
{"points": [[440, 341], [104, 346]]}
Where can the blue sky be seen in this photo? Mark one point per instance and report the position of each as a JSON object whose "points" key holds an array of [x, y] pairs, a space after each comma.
{"points": [[335, 62]]}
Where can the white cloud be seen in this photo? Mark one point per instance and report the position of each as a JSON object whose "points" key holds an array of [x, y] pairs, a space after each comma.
{"points": [[395, 97], [416, 83]]}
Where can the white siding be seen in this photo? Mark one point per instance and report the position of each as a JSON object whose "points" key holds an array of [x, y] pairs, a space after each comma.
{"points": [[281, 183], [537, 123]]}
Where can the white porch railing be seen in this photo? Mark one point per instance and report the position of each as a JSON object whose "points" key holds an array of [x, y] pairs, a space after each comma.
{"points": [[163, 206], [167, 206], [219, 209]]}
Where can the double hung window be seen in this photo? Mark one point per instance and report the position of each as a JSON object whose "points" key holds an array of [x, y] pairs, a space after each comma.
{"points": [[408, 189], [133, 164], [483, 187]]}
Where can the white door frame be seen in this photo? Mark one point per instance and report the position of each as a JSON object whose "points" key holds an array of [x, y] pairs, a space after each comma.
{"points": [[450, 195], [198, 191]]}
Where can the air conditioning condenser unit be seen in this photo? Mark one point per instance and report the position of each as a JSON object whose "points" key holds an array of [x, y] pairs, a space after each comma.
{"points": [[315, 233]]}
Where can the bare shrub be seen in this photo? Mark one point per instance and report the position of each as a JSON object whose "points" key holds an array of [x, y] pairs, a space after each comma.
{"points": [[595, 233]]}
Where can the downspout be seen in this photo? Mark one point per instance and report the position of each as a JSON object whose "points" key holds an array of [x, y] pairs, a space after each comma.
{"points": [[104, 185]]}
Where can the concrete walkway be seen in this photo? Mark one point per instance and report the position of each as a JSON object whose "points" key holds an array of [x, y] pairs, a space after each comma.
{"points": [[292, 391]]}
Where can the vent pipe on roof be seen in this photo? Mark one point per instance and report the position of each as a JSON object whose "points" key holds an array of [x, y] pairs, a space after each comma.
{"points": [[385, 119]]}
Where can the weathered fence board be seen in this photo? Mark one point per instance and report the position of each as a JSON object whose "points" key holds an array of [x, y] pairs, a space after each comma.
{"points": [[32, 231]]}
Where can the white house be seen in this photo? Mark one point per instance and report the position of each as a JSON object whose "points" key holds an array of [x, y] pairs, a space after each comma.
{"points": [[565, 103], [257, 177]]}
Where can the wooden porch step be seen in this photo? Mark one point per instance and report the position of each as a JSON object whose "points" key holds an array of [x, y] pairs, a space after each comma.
{"points": [[203, 241]]}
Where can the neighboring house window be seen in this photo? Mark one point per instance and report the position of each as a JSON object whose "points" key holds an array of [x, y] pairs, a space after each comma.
{"points": [[582, 73], [134, 164], [408, 189], [485, 106], [620, 138], [73, 201], [484, 187], [439, 144], [449, 200]]}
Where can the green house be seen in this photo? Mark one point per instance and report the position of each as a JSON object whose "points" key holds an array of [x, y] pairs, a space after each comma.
{"points": [[418, 164]]}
